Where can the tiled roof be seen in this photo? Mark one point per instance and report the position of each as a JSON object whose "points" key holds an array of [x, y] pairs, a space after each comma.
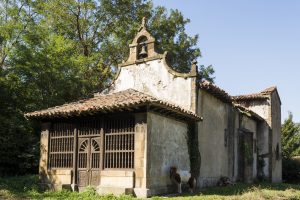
{"points": [[250, 97], [108, 103], [269, 90], [255, 96], [225, 97], [216, 91]]}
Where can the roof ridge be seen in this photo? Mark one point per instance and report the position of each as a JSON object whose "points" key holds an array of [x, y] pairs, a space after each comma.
{"points": [[269, 90], [216, 91], [263, 92], [255, 96]]}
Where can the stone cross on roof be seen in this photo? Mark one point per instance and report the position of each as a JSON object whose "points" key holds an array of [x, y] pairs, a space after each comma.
{"points": [[143, 25]]}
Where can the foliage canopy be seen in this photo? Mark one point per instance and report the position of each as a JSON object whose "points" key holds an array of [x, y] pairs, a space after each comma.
{"points": [[57, 51]]}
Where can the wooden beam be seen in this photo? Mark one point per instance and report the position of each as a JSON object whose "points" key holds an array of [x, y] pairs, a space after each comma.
{"points": [[130, 109]]}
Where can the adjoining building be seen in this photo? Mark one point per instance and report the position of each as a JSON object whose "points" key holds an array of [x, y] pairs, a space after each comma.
{"points": [[151, 118]]}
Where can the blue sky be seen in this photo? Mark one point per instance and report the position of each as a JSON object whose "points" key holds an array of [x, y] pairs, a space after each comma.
{"points": [[252, 44]]}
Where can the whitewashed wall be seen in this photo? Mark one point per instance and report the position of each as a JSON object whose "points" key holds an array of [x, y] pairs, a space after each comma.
{"points": [[154, 78]]}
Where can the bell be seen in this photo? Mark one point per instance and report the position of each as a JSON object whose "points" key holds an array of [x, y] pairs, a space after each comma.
{"points": [[143, 53]]}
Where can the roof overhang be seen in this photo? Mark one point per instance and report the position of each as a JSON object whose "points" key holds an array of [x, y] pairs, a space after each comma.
{"points": [[124, 101], [249, 113]]}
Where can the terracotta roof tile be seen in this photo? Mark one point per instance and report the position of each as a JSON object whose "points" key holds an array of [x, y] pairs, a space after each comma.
{"points": [[255, 96], [216, 91], [225, 97], [250, 97], [269, 90], [106, 103]]}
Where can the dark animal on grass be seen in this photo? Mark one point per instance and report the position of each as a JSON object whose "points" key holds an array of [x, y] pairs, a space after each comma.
{"points": [[175, 178], [225, 181]]}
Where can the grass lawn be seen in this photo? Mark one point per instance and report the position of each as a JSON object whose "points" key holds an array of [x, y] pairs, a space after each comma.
{"points": [[26, 187]]}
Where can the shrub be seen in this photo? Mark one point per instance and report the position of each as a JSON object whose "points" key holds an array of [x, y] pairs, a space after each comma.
{"points": [[291, 170]]}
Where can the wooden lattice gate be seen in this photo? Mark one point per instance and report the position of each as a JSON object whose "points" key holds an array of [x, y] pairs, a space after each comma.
{"points": [[89, 145], [90, 135], [89, 154]]}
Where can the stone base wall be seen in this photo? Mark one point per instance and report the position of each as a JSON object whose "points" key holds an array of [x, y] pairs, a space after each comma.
{"points": [[117, 178], [204, 182], [116, 182], [56, 179]]}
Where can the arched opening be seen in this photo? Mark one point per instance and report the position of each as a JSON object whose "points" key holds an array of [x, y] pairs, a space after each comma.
{"points": [[142, 50]]}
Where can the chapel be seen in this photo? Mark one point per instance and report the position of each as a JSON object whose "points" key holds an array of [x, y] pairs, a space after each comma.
{"points": [[126, 138]]}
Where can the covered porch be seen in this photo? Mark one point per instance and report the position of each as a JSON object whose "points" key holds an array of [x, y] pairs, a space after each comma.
{"points": [[102, 142]]}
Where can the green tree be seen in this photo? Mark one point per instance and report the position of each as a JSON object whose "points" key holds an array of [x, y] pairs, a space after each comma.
{"points": [[69, 53], [290, 138], [207, 73], [57, 51], [18, 146], [15, 17], [104, 29]]}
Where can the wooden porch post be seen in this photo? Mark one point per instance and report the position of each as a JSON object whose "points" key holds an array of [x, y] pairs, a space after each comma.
{"points": [[74, 170]]}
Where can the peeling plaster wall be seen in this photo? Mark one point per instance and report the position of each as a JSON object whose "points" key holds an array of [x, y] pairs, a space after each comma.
{"points": [[251, 125], [262, 108], [236, 147], [270, 110], [214, 154], [263, 145], [276, 138], [218, 159], [153, 78], [167, 146]]}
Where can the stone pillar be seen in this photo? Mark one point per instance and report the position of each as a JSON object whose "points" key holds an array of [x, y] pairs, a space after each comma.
{"points": [[43, 165], [140, 189]]}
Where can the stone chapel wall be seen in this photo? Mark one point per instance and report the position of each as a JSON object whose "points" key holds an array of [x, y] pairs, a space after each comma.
{"points": [[167, 147], [211, 133]]}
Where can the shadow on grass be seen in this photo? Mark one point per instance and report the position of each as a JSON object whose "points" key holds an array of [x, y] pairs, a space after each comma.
{"points": [[18, 187], [26, 187], [241, 188]]}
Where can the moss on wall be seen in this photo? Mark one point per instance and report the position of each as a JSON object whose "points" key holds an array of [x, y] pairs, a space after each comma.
{"points": [[193, 147]]}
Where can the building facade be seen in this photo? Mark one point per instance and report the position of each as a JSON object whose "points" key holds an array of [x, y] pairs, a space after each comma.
{"points": [[151, 118]]}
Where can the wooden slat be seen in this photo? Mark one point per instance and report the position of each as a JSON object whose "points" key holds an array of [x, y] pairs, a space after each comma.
{"points": [[119, 143], [61, 146]]}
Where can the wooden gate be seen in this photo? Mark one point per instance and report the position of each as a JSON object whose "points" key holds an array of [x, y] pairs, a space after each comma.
{"points": [[89, 159], [88, 145]]}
